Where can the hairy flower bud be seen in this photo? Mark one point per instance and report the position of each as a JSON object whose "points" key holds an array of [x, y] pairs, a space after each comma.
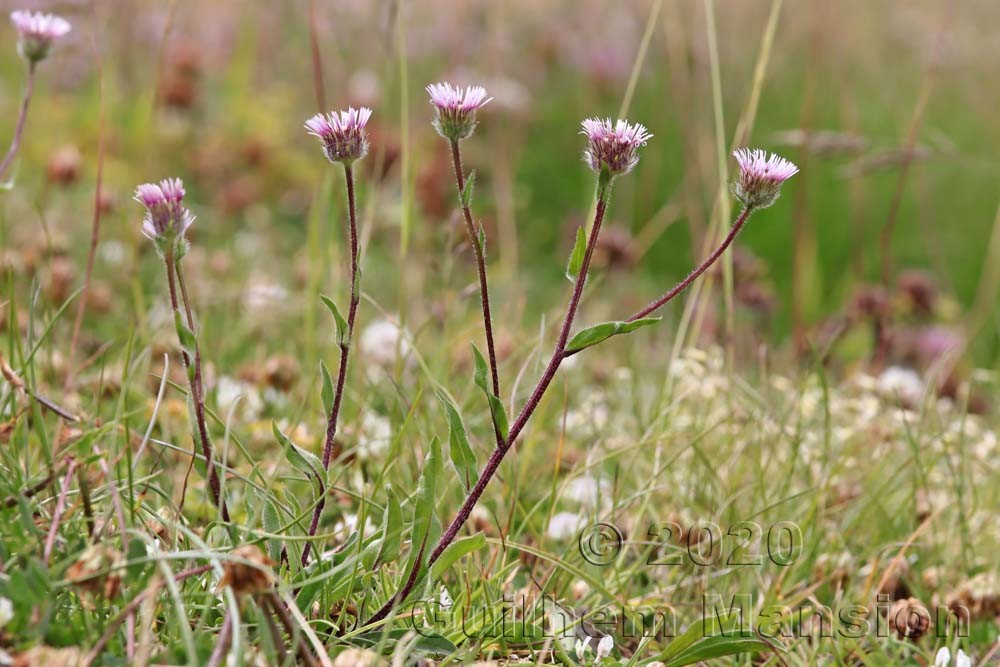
{"points": [[36, 32], [613, 147], [455, 109], [342, 133], [761, 176]]}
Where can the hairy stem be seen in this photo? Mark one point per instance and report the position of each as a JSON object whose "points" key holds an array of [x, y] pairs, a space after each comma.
{"points": [[558, 354], [700, 269], [345, 349], [175, 277], [29, 89], [484, 291]]}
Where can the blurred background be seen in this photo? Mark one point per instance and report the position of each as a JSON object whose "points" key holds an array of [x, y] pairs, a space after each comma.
{"points": [[889, 109]]}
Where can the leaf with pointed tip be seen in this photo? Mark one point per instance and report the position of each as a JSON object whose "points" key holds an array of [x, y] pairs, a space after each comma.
{"points": [[392, 529], [341, 322], [470, 183], [425, 527], [327, 392], [462, 456], [576, 258], [601, 332], [302, 460], [720, 646], [456, 550], [186, 337], [480, 375]]}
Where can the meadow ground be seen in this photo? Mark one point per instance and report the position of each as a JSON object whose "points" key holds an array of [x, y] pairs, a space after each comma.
{"points": [[795, 466]]}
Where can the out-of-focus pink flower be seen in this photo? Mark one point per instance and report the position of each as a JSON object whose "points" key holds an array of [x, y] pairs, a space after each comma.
{"points": [[455, 109], [613, 147], [166, 215], [342, 133], [761, 176], [36, 32]]}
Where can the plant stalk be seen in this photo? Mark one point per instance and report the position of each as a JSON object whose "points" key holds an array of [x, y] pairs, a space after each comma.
{"points": [[29, 89], [175, 278], [484, 291], [345, 349]]}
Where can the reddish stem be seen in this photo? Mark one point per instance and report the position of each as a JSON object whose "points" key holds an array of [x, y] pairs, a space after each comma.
{"points": [[496, 458], [29, 89], [484, 292], [176, 277], [345, 348]]}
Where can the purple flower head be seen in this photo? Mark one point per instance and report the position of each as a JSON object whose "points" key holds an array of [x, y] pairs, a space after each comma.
{"points": [[613, 147], [761, 176], [166, 216], [455, 109], [342, 133], [36, 32]]}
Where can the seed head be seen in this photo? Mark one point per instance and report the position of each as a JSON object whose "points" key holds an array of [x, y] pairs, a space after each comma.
{"points": [[36, 32], [613, 147], [455, 109], [761, 176], [166, 216], [342, 133]]}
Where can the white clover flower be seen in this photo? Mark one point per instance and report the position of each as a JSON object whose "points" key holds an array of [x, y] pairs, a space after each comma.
{"points": [[445, 599], [604, 648], [901, 383], [374, 436], [563, 525], [581, 649], [229, 390], [380, 341]]}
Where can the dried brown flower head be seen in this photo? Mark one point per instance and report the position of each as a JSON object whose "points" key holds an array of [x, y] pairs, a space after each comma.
{"points": [[248, 571], [97, 571]]}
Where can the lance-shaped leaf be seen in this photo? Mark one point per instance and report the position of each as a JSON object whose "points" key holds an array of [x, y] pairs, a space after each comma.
{"points": [[470, 183], [719, 646], [601, 332], [326, 393], [462, 456], [481, 376], [425, 527], [341, 322], [302, 460], [392, 529], [456, 550], [189, 342], [576, 258]]}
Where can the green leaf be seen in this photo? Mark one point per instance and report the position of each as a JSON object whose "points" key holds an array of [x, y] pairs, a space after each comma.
{"points": [[341, 322], [301, 459], [712, 625], [481, 375], [187, 338], [425, 522], [426, 641], [470, 183], [327, 392], [601, 332], [576, 259], [456, 550], [462, 456], [392, 529], [720, 646]]}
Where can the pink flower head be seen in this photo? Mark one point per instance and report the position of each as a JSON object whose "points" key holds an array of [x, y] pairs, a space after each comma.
{"points": [[761, 176], [455, 109], [613, 147], [166, 215], [342, 133], [36, 32]]}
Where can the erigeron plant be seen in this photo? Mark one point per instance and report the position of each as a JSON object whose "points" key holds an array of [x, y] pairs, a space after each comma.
{"points": [[36, 33], [612, 151]]}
